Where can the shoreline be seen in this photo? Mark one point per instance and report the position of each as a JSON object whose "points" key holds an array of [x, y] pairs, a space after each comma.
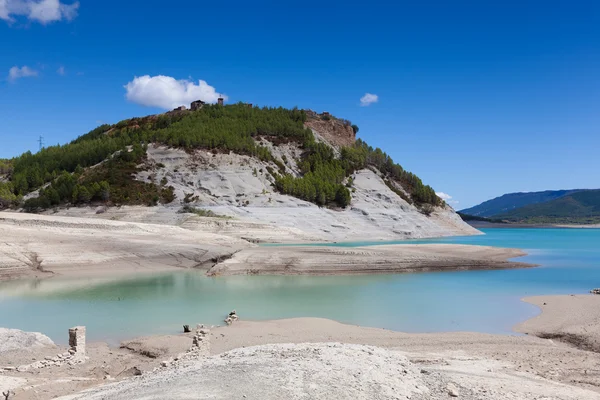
{"points": [[570, 319], [525, 366], [517, 225], [43, 246], [377, 259]]}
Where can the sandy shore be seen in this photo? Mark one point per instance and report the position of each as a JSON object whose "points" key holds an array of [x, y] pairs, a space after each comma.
{"points": [[36, 245], [307, 260], [40, 246], [570, 319], [318, 358]]}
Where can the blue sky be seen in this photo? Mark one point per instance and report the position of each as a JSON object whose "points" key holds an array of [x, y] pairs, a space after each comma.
{"points": [[477, 98]]}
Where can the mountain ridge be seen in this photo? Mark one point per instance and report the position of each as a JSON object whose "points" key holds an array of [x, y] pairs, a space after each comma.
{"points": [[510, 201], [580, 207], [575, 206]]}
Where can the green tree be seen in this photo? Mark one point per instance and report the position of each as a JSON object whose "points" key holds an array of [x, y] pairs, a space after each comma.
{"points": [[83, 195]]}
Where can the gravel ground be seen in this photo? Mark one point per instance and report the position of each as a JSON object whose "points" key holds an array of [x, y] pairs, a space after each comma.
{"points": [[330, 371]]}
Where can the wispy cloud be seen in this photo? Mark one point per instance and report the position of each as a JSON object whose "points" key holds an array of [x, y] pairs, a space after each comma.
{"points": [[23, 72], [42, 11], [368, 99], [61, 71], [167, 92], [446, 197]]}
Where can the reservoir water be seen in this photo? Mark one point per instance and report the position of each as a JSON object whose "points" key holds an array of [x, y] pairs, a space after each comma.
{"points": [[482, 301]]}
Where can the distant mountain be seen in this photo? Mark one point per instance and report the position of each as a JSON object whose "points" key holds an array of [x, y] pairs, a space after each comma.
{"points": [[581, 207], [509, 202], [473, 218]]}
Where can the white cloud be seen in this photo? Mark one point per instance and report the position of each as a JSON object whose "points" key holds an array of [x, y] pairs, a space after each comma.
{"points": [[61, 71], [15, 72], [446, 197], [4, 14], [42, 11], [167, 92], [368, 99]]}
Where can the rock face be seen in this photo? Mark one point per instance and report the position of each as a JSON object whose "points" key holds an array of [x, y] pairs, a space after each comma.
{"points": [[14, 339], [241, 187], [335, 132]]}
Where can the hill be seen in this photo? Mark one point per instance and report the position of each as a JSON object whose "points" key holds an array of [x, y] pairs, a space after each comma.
{"points": [[473, 218], [581, 207], [512, 201], [285, 167]]}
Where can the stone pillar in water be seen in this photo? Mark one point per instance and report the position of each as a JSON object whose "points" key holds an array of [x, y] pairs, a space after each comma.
{"points": [[77, 341]]}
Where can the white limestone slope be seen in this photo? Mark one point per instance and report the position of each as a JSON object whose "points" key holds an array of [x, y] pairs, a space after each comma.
{"points": [[240, 186]]}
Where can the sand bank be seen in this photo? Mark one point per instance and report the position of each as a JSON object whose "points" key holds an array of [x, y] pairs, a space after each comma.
{"points": [[313, 260], [571, 319], [36, 245], [319, 358], [40, 246]]}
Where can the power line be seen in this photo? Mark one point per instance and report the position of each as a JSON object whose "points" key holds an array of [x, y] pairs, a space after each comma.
{"points": [[41, 142]]}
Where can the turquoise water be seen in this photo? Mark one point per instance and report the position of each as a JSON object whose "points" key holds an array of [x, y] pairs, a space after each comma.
{"points": [[483, 301]]}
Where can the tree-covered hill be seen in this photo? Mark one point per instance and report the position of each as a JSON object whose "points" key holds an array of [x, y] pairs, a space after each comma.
{"points": [[100, 165], [581, 207], [511, 201]]}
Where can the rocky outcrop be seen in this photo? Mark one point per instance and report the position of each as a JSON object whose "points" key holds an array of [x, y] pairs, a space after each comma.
{"points": [[14, 339], [317, 371], [336, 132], [231, 318]]}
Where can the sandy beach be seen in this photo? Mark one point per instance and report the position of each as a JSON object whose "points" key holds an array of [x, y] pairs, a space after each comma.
{"points": [[574, 320], [318, 358]]}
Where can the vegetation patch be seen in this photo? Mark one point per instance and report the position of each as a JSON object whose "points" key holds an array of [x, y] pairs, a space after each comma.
{"points": [[201, 212], [399, 192], [468, 218], [112, 182]]}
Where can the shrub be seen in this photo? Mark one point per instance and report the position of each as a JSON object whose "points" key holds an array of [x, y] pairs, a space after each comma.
{"points": [[201, 212]]}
